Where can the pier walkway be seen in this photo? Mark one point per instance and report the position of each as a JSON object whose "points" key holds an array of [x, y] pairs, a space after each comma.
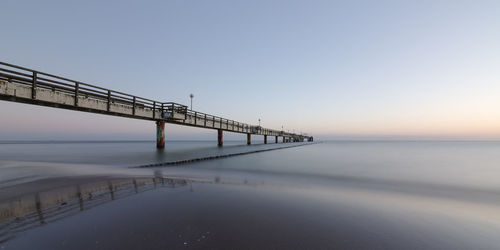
{"points": [[19, 84]]}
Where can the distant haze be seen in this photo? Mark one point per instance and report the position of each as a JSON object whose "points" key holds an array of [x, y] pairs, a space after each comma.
{"points": [[335, 69]]}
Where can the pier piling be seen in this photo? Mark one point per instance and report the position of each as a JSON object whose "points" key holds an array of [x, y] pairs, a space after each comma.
{"points": [[160, 134], [219, 138]]}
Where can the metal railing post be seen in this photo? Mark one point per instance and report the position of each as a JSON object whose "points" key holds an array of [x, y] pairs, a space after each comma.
{"points": [[133, 105], [109, 100], [77, 86], [154, 110], [33, 86]]}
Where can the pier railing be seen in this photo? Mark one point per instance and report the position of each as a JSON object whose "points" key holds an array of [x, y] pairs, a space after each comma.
{"points": [[149, 109], [40, 80]]}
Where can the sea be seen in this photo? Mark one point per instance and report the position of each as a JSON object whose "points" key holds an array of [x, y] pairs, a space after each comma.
{"points": [[194, 194]]}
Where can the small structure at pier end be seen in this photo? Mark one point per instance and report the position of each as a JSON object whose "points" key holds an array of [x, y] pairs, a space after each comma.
{"points": [[19, 84]]}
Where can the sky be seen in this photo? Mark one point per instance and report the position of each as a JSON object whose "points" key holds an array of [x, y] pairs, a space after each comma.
{"points": [[333, 69]]}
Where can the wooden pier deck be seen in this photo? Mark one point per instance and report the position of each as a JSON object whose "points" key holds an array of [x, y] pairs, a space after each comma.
{"points": [[19, 84]]}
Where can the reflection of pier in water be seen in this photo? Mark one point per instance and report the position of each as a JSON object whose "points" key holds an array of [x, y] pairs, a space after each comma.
{"points": [[32, 210]]}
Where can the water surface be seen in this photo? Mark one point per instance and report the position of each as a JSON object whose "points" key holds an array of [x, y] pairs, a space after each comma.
{"points": [[342, 194]]}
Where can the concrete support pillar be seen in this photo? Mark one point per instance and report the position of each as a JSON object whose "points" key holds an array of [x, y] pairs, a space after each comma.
{"points": [[265, 139], [276, 140], [219, 137], [284, 140], [160, 134], [249, 139]]}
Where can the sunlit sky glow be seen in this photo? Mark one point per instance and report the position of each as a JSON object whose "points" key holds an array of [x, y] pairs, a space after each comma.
{"points": [[337, 69]]}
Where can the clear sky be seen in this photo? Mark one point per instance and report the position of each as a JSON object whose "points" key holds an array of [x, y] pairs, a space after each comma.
{"points": [[338, 69]]}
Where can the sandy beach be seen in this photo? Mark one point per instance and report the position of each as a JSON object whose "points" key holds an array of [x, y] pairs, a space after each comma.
{"points": [[197, 206]]}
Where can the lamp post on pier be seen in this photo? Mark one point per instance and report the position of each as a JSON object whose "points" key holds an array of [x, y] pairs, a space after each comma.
{"points": [[191, 96]]}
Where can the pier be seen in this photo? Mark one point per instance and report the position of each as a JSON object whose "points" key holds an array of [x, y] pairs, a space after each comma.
{"points": [[23, 85]]}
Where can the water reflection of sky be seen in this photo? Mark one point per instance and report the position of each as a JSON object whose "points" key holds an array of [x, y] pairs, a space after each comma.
{"points": [[254, 212], [397, 195]]}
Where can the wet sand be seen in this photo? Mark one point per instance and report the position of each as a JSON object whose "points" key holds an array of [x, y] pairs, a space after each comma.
{"points": [[159, 212], [283, 199]]}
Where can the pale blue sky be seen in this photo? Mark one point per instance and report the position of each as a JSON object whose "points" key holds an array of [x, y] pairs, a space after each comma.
{"points": [[339, 69]]}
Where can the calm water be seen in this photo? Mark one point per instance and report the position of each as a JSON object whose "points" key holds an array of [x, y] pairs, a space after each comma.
{"points": [[342, 194]]}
